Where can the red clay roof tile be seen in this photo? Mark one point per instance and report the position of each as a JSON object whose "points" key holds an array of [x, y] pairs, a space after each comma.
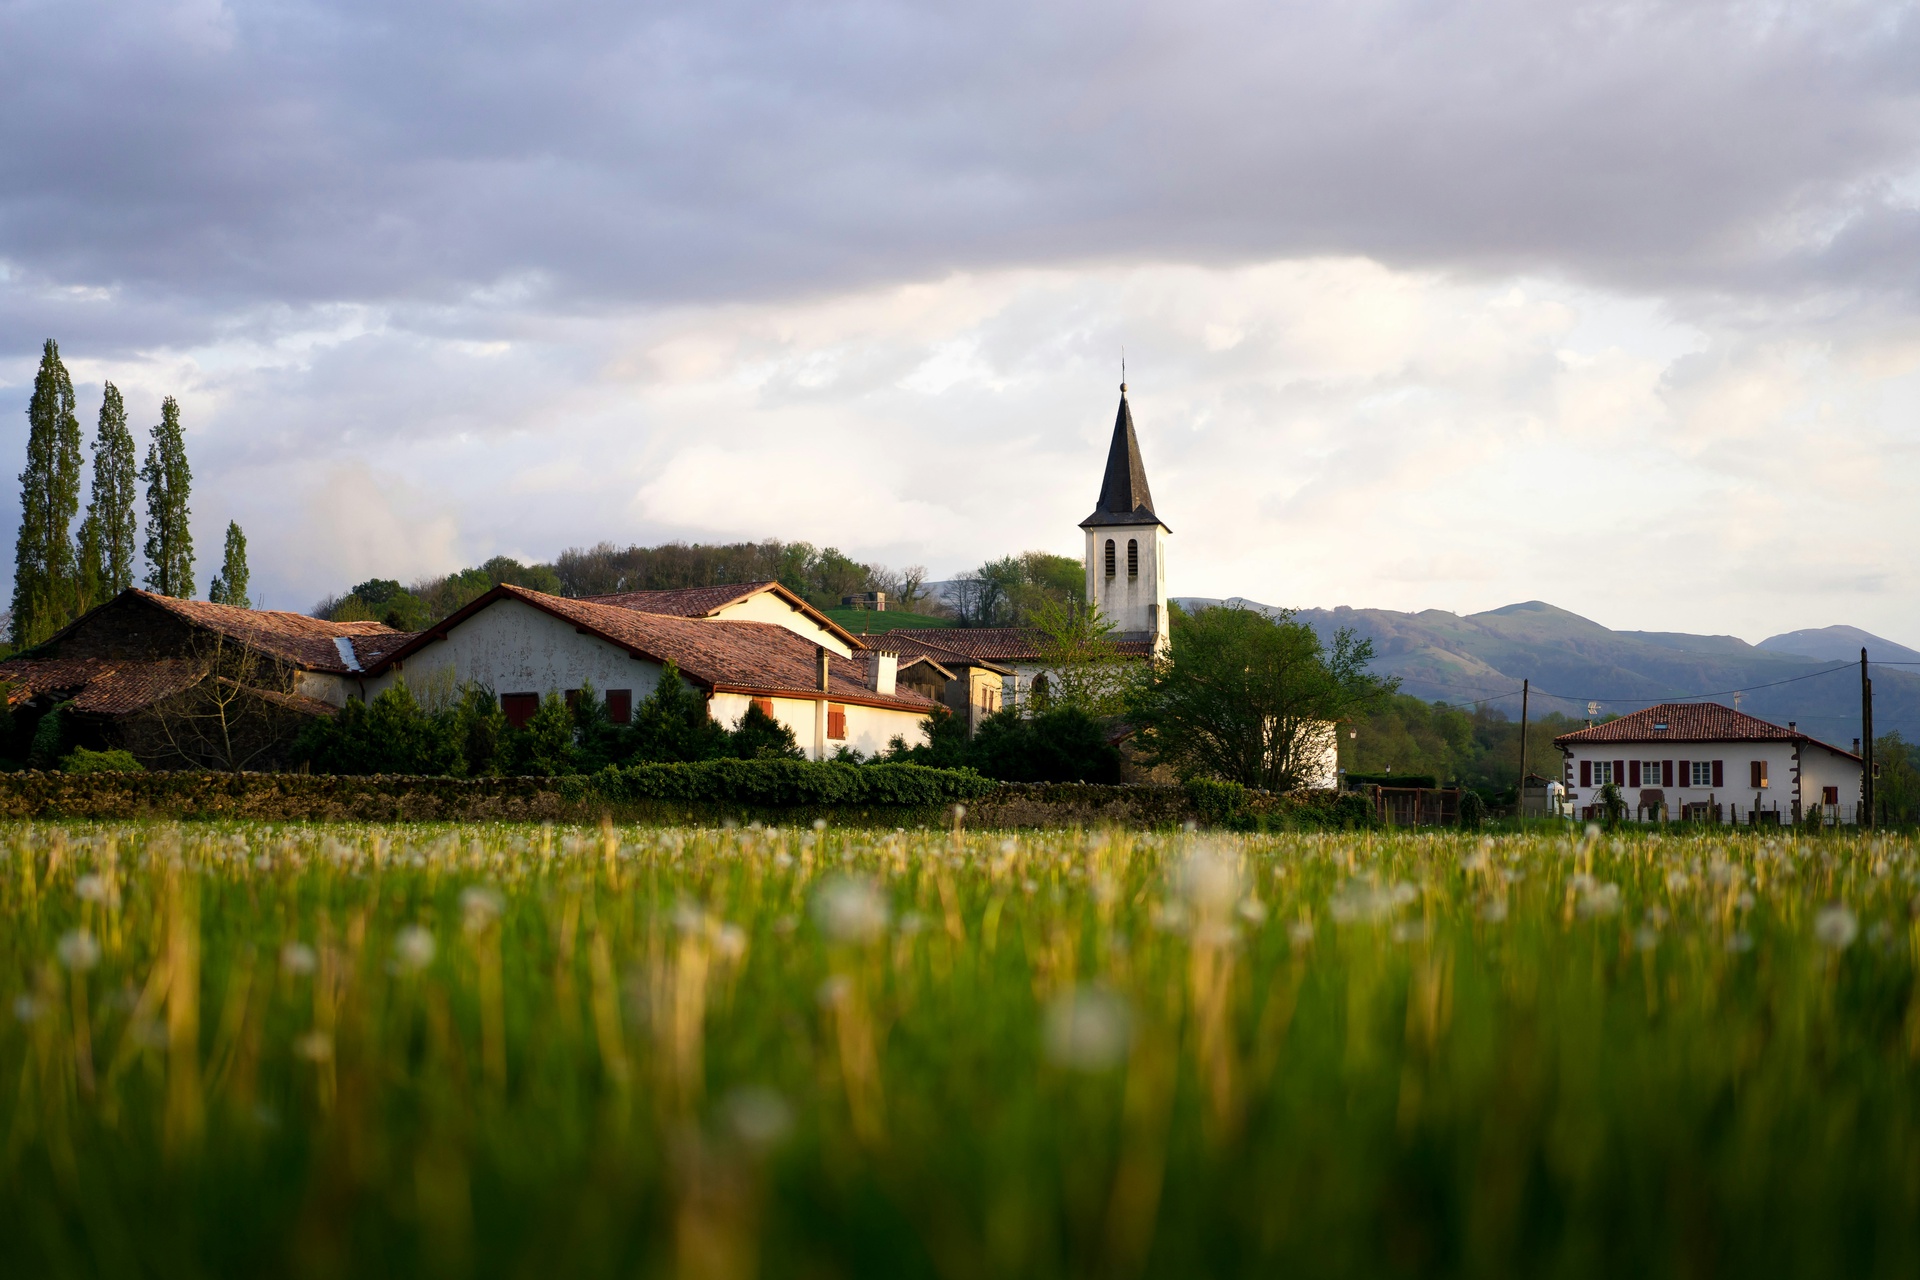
{"points": [[1690, 722]]}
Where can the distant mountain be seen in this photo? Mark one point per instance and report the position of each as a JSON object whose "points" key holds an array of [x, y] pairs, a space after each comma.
{"points": [[1573, 661], [1839, 644]]}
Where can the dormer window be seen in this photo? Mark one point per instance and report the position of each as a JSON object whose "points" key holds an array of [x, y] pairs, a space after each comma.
{"points": [[1660, 728]]}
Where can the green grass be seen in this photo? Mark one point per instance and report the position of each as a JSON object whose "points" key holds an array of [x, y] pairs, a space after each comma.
{"points": [[503, 1051], [867, 622]]}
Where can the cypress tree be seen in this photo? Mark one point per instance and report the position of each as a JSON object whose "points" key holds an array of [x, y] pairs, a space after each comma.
{"points": [[44, 584], [229, 586], [108, 536], [169, 480]]}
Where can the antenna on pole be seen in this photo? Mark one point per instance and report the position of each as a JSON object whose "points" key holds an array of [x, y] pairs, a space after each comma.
{"points": [[1123, 368]]}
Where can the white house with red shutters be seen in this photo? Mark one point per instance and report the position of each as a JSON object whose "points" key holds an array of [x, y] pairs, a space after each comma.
{"points": [[1703, 761]]}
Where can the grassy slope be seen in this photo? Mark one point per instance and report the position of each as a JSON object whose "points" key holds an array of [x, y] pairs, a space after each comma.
{"points": [[867, 622]]}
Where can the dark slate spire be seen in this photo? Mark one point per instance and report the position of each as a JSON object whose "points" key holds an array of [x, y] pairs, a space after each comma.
{"points": [[1124, 496]]}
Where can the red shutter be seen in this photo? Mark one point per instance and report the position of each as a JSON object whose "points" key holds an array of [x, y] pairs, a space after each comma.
{"points": [[1633, 773], [837, 723], [1666, 773], [1719, 774], [1686, 777], [519, 707], [1619, 773], [765, 705], [1753, 774], [620, 706], [1586, 773]]}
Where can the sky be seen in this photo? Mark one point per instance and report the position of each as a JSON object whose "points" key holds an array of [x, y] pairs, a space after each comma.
{"points": [[1424, 303]]}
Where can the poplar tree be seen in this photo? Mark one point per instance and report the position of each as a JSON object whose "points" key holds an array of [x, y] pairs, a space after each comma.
{"points": [[229, 586], [108, 536], [43, 562], [169, 480]]}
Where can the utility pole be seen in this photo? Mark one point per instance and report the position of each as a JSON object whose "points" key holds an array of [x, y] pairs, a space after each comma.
{"points": [[1523, 746], [1866, 742]]}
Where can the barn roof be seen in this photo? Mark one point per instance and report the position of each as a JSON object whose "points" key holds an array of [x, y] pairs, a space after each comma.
{"points": [[1690, 722], [705, 602]]}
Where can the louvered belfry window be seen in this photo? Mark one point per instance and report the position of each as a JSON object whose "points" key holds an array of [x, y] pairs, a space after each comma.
{"points": [[1133, 558], [1109, 557]]}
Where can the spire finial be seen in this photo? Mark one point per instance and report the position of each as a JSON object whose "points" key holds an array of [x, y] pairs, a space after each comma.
{"points": [[1123, 371]]}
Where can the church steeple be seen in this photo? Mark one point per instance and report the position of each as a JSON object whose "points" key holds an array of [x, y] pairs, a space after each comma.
{"points": [[1124, 495], [1126, 560]]}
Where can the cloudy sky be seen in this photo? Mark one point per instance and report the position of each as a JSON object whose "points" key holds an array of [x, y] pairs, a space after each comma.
{"points": [[1425, 304]]}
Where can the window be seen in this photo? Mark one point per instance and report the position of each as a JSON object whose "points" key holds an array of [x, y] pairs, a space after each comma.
{"points": [[1830, 795], [1133, 558], [1649, 774], [836, 722], [1109, 557], [1602, 772], [1757, 774], [519, 707], [620, 706], [1702, 775]]}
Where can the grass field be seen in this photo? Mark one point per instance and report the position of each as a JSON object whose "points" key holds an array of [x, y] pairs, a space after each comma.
{"points": [[509, 1051], [867, 622]]}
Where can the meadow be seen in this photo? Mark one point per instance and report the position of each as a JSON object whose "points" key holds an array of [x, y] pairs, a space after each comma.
{"points": [[303, 1050]]}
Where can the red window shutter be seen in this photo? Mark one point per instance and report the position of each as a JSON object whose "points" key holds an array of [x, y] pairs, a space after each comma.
{"points": [[1666, 773], [519, 707], [573, 696], [1686, 775], [1719, 774], [620, 706], [765, 705], [1619, 773], [1633, 773], [1753, 774], [837, 723], [1586, 773]]}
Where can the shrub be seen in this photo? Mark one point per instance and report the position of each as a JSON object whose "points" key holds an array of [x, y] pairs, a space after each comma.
{"points": [[1473, 810], [759, 736], [790, 782], [81, 760], [1063, 745]]}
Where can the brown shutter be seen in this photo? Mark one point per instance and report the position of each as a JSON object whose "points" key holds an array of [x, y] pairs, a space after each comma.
{"points": [[1719, 775], [765, 705], [837, 723], [1753, 775], [1666, 773], [519, 707], [1619, 773], [620, 706], [1686, 778], [1586, 773], [1633, 773]]}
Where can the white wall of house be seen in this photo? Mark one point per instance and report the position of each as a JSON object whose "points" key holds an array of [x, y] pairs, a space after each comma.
{"points": [[325, 686], [1320, 752], [868, 729], [768, 607], [1791, 772], [512, 647]]}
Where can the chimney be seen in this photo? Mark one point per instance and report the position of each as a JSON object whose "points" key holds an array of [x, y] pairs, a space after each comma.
{"points": [[886, 672], [1793, 726], [1856, 746], [824, 677]]}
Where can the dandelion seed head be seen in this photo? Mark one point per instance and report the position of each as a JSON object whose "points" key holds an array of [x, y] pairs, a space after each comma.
{"points": [[850, 909], [77, 950], [1835, 927], [413, 948], [480, 907], [758, 1116], [1088, 1029], [297, 958]]}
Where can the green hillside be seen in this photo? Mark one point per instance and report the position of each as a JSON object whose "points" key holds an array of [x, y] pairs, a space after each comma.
{"points": [[867, 622]]}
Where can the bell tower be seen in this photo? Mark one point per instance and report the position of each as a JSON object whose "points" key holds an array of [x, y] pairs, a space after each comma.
{"points": [[1126, 543]]}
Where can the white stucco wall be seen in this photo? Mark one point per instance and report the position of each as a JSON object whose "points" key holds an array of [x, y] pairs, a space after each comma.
{"points": [[511, 647], [869, 729], [768, 607], [1820, 767], [325, 686], [1320, 770]]}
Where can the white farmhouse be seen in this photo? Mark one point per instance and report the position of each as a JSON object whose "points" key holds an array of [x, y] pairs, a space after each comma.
{"points": [[1703, 761], [737, 644]]}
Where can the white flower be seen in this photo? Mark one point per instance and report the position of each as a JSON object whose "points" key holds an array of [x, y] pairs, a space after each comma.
{"points": [[480, 907], [730, 941], [413, 949], [1494, 910], [297, 958], [758, 1116], [1646, 938], [1253, 911], [1835, 927], [96, 888], [315, 1046], [1300, 934], [850, 910], [1600, 900], [1088, 1029], [77, 950], [1210, 881], [833, 992]]}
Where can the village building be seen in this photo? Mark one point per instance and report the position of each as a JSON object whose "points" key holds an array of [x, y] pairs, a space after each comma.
{"points": [[738, 645], [188, 684], [1705, 762]]}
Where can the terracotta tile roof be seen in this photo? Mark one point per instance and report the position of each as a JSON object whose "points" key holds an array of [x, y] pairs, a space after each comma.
{"points": [[913, 646], [705, 602], [304, 641], [1690, 722], [758, 658], [921, 660], [1003, 644], [104, 685]]}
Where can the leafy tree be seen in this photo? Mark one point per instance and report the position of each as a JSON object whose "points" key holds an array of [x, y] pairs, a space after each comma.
{"points": [[544, 746], [1245, 697], [758, 736], [169, 482], [110, 530], [1010, 592], [229, 586], [1085, 668], [1062, 745], [673, 723], [598, 741], [45, 585], [945, 747], [393, 734], [481, 732]]}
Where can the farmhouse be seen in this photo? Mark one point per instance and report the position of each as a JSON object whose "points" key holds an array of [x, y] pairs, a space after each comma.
{"points": [[739, 645], [1704, 761]]}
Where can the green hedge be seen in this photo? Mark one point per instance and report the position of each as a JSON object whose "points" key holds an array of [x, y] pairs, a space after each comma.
{"points": [[784, 783]]}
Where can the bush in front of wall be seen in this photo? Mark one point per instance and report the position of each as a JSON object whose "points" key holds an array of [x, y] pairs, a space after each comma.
{"points": [[81, 760]]}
